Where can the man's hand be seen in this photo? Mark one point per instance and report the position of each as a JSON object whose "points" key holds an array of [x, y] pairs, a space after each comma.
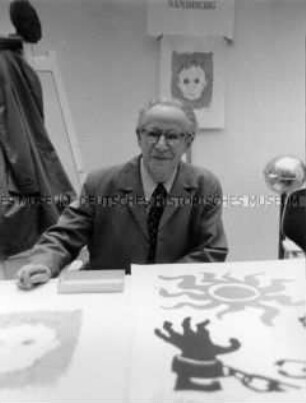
{"points": [[31, 275]]}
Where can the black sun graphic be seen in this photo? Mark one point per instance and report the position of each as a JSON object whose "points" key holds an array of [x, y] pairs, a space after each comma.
{"points": [[208, 291]]}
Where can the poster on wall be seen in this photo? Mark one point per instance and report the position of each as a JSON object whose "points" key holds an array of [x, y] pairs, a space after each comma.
{"points": [[192, 69], [218, 334], [191, 17]]}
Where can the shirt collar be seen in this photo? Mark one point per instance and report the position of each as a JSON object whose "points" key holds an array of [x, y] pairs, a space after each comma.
{"points": [[149, 184]]}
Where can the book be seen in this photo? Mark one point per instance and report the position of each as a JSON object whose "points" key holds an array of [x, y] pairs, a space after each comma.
{"points": [[91, 281]]}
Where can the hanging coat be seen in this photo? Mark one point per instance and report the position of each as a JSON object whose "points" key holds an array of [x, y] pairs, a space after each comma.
{"points": [[34, 187]]}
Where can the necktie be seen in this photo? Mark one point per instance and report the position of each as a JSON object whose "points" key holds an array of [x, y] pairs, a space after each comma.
{"points": [[157, 205]]}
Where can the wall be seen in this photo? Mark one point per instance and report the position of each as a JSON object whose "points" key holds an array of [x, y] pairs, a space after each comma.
{"points": [[110, 67], [265, 116]]}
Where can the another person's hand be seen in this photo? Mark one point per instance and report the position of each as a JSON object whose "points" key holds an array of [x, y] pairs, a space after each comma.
{"points": [[31, 275]]}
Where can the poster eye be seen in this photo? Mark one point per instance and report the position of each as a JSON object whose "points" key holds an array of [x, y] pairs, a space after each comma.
{"points": [[186, 81], [196, 81]]}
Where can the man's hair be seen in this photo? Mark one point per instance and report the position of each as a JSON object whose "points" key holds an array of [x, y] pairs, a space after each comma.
{"points": [[176, 103]]}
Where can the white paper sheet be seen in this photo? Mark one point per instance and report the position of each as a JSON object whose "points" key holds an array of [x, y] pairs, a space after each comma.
{"points": [[219, 333]]}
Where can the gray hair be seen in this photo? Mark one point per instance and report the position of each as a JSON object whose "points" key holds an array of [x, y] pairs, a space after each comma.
{"points": [[176, 103]]}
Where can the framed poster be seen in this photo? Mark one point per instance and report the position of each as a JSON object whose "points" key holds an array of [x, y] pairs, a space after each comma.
{"points": [[192, 69]]}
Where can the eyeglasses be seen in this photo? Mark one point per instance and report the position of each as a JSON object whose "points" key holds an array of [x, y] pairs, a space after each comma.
{"points": [[172, 138]]}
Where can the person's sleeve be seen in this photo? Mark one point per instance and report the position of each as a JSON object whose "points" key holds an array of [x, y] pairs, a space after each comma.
{"points": [[209, 243], [61, 243]]}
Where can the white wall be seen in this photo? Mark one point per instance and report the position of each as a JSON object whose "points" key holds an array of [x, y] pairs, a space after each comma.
{"points": [[265, 116], [110, 67]]}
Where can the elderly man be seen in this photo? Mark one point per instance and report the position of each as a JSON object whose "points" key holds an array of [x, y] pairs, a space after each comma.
{"points": [[153, 209]]}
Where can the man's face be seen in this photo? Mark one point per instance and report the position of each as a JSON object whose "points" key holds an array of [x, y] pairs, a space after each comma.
{"points": [[163, 140]]}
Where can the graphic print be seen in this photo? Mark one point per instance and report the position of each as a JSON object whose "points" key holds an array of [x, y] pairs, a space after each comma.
{"points": [[292, 368], [189, 313], [36, 347], [198, 368], [211, 291], [192, 69], [192, 78]]}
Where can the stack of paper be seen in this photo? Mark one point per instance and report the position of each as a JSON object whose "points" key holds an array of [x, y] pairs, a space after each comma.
{"points": [[86, 281]]}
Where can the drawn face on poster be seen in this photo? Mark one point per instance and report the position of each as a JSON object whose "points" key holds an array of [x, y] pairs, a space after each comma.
{"points": [[192, 78]]}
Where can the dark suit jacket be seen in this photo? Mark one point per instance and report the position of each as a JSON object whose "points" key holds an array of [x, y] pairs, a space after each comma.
{"points": [[294, 218], [110, 217]]}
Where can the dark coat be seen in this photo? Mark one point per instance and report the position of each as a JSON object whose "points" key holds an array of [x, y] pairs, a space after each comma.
{"points": [[32, 177], [294, 218], [110, 217]]}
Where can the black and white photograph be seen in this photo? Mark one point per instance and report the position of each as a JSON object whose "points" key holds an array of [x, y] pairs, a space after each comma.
{"points": [[152, 201]]}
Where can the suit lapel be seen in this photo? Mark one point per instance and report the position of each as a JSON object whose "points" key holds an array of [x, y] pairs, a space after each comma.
{"points": [[182, 190], [129, 183]]}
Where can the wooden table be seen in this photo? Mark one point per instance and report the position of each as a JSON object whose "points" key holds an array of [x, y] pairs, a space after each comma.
{"points": [[181, 333]]}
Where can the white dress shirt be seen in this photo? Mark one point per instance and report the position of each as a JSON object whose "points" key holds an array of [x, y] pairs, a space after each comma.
{"points": [[149, 184]]}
